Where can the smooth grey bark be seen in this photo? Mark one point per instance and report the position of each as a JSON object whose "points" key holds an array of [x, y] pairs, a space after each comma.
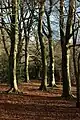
{"points": [[75, 61], [26, 71], [27, 31], [51, 54], [43, 52], [13, 49], [63, 46], [65, 38], [51, 45], [78, 84]]}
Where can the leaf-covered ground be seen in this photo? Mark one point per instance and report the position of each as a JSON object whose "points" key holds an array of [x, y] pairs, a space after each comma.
{"points": [[37, 105]]}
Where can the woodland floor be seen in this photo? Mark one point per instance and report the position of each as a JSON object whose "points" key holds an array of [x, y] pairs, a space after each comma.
{"points": [[37, 105]]}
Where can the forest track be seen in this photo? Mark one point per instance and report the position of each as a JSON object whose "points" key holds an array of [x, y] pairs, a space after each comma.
{"points": [[36, 105]]}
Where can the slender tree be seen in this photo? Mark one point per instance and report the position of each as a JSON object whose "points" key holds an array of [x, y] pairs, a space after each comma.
{"points": [[14, 45], [26, 36], [78, 84], [51, 46], [27, 20], [65, 41], [75, 61], [43, 52]]}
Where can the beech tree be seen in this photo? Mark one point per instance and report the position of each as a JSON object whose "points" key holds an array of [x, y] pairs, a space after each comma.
{"points": [[65, 41], [14, 45], [51, 45], [41, 40], [76, 59], [26, 37]]}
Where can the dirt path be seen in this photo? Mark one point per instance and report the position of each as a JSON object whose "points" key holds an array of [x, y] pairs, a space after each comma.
{"points": [[36, 105]]}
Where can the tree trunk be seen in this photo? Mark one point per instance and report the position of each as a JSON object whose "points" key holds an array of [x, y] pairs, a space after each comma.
{"points": [[65, 41], [20, 45], [15, 45], [51, 54], [68, 40], [13, 50], [65, 72], [43, 52], [78, 84], [26, 72], [26, 35]]}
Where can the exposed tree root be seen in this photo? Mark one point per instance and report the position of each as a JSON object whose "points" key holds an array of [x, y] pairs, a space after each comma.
{"points": [[68, 97], [52, 86], [43, 88], [13, 90], [78, 104]]}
